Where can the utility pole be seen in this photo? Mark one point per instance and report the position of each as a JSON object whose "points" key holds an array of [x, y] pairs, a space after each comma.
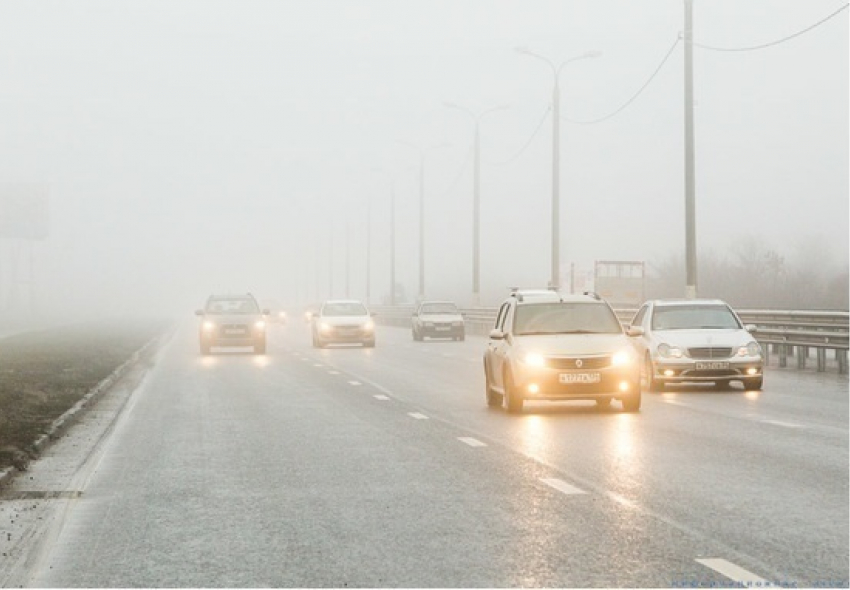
{"points": [[368, 250], [690, 205], [347, 262], [392, 245], [421, 225]]}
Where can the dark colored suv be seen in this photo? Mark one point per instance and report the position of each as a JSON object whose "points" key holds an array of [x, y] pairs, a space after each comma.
{"points": [[232, 320]]}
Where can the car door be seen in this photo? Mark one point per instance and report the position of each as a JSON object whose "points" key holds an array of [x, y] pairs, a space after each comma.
{"points": [[641, 320], [497, 348]]}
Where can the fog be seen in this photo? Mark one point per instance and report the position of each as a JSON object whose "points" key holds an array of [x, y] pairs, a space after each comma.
{"points": [[198, 147]]}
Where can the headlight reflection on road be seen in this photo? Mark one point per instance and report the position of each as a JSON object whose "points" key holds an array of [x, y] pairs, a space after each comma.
{"points": [[261, 361], [208, 361], [535, 436]]}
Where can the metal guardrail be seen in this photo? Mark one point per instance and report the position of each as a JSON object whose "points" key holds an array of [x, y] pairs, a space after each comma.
{"points": [[781, 332]]}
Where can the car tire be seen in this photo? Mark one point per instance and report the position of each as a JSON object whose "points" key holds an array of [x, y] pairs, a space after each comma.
{"points": [[494, 399], [603, 402], [416, 335], [512, 399], [631, 403], [753, 383], [260, 346], [369, 344], [652, 384], [462, 337], [205, 348]]}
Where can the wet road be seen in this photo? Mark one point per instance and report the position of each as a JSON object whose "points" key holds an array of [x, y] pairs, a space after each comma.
{"points": [[384, 467]]}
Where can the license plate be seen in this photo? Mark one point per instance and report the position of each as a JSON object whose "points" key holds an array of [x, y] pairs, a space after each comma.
{"points": [[713, 365], [442, 328], [234, 331], [579, 377]]}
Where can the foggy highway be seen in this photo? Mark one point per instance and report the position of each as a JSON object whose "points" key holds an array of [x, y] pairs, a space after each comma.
{"points": [[384, 467]]}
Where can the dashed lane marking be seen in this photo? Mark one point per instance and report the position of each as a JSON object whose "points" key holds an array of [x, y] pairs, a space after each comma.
{"points": [[417, 416], [382, 398], [472, 442], [355, 383], [333, 372], [561, 485], [317, 365], [781, 423], [730, 570]]}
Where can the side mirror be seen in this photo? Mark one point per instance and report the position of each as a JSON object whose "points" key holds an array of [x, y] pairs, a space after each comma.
{"points": [[752, 328], [634, 331], [497, 335], [199, 312]]}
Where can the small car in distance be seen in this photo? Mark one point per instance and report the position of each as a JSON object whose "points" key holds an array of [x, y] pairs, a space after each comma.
{"points": [[232, 320], [437, 319], [343, 322], [552, 347], [696, 340]]}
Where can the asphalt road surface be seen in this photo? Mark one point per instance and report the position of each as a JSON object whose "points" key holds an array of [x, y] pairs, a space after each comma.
{"points": [[384, 467]]}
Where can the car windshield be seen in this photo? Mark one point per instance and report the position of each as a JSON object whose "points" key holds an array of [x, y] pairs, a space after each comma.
{"points": [[344, 309], [241, 305], [692, 317], [565, 318], [439, 308]]}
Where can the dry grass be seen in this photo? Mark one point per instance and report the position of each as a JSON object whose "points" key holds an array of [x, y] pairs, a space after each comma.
{"points": [[44, 373]]}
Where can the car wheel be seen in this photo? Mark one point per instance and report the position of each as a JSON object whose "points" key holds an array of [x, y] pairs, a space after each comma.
{"points": [[651, 383], [753, 383], [205, 348], [260, 347], [369, 344], [603, 402], [631, 403], [493, 399], [462, 337], [512, 400]]}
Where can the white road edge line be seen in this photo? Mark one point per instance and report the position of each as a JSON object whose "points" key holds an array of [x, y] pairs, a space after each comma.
{"points": [[730, 570], [417, 415], [472, 442], [561, 485]]}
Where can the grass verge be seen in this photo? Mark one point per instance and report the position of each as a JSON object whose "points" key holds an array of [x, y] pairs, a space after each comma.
{"points": [[44, 373]]}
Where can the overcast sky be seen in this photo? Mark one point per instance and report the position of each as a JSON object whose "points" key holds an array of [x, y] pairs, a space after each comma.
{"points": [[192, 147]]}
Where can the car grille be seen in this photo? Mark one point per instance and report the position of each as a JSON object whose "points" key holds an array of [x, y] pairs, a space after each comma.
{"points": [[709, 352], [234, 330], [592, 362]]}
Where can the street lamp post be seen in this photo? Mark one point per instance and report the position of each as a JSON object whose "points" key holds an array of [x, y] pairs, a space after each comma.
{"points": [[392, 236], [555, 280], [476, 200], [422, 211]]}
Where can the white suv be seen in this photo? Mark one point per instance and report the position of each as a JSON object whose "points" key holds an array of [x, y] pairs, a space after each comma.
{"points": [[554, 347]]}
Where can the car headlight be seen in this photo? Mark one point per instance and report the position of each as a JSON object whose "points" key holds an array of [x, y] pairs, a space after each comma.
{"points": [[209, 326], [667, 351], [325, 327], [260, 325], [369, 326], [623, 358], [532, 359], [751, 349]]}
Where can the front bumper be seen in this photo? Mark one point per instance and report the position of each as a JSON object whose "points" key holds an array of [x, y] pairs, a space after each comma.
{"points": [[548, 384], [685, 370], [232, 335], [442, 331], [345, 335]]}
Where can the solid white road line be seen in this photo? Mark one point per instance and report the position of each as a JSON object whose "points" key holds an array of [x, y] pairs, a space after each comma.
{"points": [[383, 398], [561, 485], [730, 570], [472, 442], [417, 415]]}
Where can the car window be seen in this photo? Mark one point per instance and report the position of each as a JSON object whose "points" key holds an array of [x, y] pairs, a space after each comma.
{"points": [[566, 318], [638, 319], [501, 317], [344, 309], [237, 306], [693, 317], [439, 308]]}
